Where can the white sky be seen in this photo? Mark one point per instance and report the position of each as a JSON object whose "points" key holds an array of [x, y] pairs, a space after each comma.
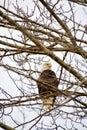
{"points": [[7, 84]]}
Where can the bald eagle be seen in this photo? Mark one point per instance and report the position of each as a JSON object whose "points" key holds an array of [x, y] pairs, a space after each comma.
{"points": [[47, 85]]}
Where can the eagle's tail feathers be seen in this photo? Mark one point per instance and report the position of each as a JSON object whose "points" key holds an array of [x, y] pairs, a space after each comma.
{"points": [[48, 103]]}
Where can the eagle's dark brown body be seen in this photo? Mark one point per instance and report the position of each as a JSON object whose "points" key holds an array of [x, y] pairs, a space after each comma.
{"points": [[47, 87]]}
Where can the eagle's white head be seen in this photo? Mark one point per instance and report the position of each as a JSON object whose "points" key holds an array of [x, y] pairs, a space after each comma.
{"points": [[46, 66]]}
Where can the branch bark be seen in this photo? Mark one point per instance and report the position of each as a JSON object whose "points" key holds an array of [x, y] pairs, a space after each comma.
{"points": [[6, 127], [79, 1]]}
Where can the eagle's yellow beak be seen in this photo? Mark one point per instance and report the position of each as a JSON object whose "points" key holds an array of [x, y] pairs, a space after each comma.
{"points": [[50, 65]]}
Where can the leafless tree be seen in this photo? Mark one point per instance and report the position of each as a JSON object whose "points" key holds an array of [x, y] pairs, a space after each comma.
{"points": [[32, 32]]}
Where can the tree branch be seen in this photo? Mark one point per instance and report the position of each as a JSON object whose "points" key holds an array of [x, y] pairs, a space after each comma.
{"points": [[6, 127], [47, 51]]}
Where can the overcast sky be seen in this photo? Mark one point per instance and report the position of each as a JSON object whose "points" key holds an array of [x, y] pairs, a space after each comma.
{"points": [[7, 84]]}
